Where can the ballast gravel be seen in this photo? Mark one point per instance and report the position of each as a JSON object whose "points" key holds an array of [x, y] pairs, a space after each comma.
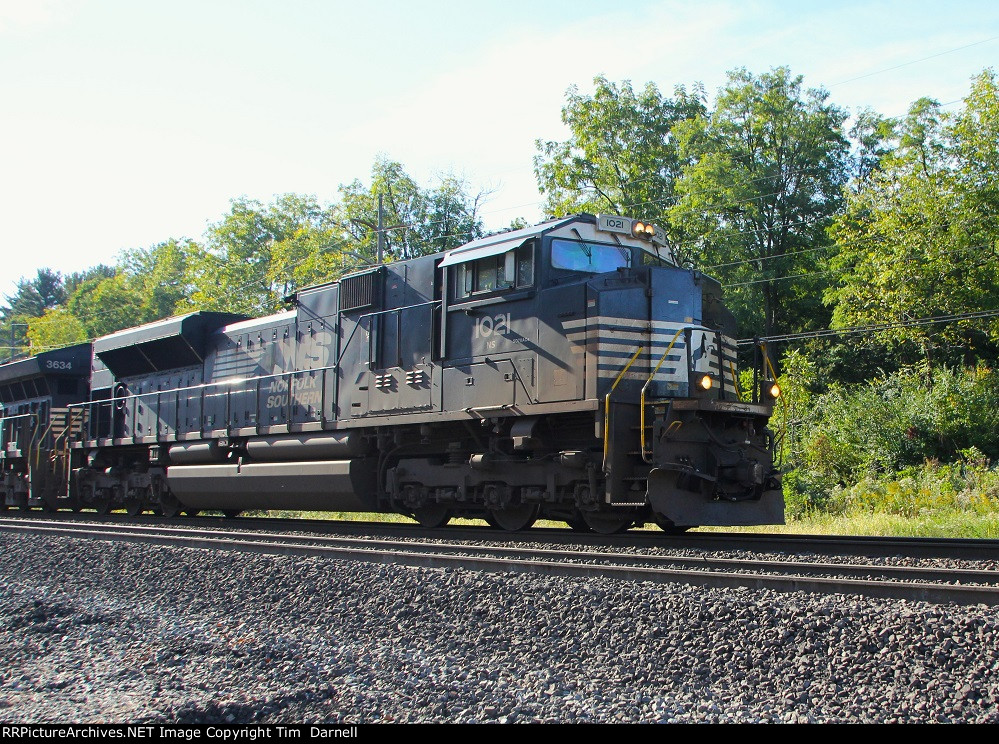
{"points": [[95, 631]]}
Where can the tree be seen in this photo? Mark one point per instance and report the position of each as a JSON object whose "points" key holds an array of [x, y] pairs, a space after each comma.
{"points": [[416, 221], [74, 280], [31, 298], [873, 136], [920, 239], [159, 276], [765, 174], [56, 327], [451, 216], [146, 285], [622, 155], [103, 306], [252, 254]]}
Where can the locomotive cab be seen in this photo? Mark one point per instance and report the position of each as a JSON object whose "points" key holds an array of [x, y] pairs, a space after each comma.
{"points": [[593, 311]]}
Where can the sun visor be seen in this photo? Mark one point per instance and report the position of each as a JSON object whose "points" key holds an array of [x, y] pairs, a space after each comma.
{"points": [[475, 251]]}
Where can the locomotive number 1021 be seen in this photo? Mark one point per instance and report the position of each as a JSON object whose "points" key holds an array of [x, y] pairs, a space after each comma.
{"points": [[498, 325]]}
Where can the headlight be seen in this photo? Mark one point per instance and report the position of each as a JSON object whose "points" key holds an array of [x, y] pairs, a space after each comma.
{"points": [[775, 391], [705, 382], [643, 230]]}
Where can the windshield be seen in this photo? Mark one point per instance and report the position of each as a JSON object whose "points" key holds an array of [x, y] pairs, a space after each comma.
{"points": [[594, 258], [651, 258]]}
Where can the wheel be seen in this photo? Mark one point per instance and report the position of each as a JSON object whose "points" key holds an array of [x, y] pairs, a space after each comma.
{"points": [[102, 504], [514, 518], [577, 523], [192, 512], [432, 516], [22, 503], [170, 507], [133, 506], [667, 526], [608, 523], [231, 513]]}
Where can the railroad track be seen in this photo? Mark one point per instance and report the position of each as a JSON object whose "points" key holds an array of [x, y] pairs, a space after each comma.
{"points": [[931, 584], [840, 545]]}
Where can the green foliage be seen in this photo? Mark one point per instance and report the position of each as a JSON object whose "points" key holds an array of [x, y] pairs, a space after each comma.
{"points": [[146, 285], [249, 249], [764, 178], [920, 237], [621, 156], [259, 254], [868, 433], [56, 328], [416, 221], [33, 297], [872, 135]]}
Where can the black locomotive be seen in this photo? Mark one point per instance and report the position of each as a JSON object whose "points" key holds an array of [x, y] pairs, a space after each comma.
{"points": [[569, 371]]}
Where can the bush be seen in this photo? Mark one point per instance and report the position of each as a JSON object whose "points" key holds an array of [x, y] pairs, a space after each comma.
{"points": [[908, 441]]}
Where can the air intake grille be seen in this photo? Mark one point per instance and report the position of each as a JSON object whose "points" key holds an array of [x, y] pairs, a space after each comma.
{"points": [[360, 290]]}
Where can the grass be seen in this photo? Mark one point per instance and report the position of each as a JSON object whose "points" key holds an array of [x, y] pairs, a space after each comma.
{"points": [[949, 523], [884, 525]]}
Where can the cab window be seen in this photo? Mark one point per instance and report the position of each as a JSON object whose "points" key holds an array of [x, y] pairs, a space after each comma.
{"points": [[508, 270], [593, 258]]}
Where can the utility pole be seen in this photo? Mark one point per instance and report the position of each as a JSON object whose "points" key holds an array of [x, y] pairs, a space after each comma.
{"points": [[13, 338], [380, 232], [380, 229]]}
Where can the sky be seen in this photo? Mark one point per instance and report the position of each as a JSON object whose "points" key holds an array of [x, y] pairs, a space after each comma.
{"points": [[124, 123]]}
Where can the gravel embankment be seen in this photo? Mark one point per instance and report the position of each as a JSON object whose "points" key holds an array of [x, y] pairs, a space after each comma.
{"points": [[110, 632]]}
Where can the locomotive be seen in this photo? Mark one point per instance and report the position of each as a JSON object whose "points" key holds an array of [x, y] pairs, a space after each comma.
{"points": [[568, 371]]}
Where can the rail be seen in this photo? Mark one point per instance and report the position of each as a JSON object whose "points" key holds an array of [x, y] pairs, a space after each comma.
{"points": [[6, 419], [778, 445], [648, 382], [203, 394], [617, 380]]}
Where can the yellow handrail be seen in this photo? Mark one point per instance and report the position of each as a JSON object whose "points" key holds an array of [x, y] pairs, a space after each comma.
{"points": [[735, 380], [649, 382], [770, 366], [607, 400]]}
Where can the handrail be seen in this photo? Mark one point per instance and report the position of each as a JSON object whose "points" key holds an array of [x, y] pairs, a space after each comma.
{"points": [[783, 400], [222, 387], [766, 358], [607, 402], [735, 380], [649, 382], [19, 415], [245, 383], [39, 439]]}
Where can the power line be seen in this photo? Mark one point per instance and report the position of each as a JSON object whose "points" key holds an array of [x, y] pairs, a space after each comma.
{"points": [[776, 279], [913, 62], [826, 332]]}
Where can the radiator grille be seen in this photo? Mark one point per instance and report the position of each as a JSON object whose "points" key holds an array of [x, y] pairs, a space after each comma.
{"points": [[360, 291]]}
